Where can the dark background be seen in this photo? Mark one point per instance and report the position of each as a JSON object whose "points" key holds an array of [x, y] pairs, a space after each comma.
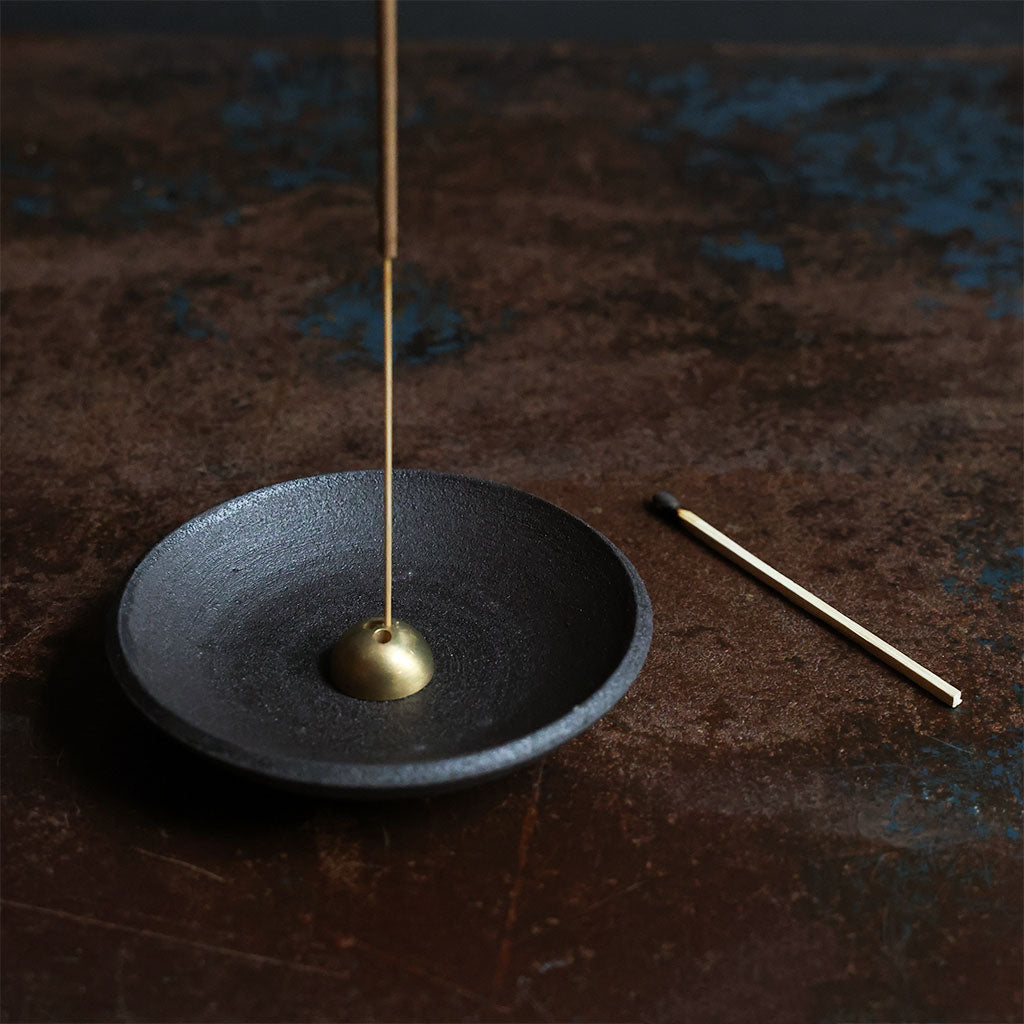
{"points": [[907, 23]]}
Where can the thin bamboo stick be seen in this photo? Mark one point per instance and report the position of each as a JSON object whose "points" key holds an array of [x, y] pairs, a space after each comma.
{"points": [[885, 652], [387, 100]]}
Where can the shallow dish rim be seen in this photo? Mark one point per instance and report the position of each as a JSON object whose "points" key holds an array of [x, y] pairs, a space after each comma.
{"points": [[355, 778]]}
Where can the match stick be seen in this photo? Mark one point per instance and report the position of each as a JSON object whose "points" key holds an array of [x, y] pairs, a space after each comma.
{"points": [[667, 505]]}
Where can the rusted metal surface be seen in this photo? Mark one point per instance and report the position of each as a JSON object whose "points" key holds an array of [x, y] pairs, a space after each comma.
{"points": [[780, 284]]}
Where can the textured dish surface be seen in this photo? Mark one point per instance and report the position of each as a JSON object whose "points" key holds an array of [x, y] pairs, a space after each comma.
{"points": [[537, 624]]}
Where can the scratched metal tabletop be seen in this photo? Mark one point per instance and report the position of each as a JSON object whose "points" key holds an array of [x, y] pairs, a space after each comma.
{"points": [[780, 283]]}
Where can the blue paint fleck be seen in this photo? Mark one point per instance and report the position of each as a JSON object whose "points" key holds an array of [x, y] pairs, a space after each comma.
{"points": [[1000, 578], [14, 168], [242, 115], [185, 320], [955, 792], [987, 267], [973, 272], [929, 304], [994, 581], [1004, 304], [316, 113], [764, 102], [284, 179], [954, 587], [315, 117], [266, 61], [34, 206], [161, 201], [197, 192], [1004, 643], [425, 324], [945, 808], [947, 162], [232, 219], [747, 250]]}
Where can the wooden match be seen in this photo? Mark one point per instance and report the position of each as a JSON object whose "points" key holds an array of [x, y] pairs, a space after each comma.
{"points": [[667, 505]]}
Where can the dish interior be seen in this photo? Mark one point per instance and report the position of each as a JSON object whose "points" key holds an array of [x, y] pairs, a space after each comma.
{"points": [[227, 623]]}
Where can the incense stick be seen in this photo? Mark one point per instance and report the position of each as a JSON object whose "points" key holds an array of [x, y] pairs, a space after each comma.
{"points": [[389, 441], [916, 673], [387, 99]]}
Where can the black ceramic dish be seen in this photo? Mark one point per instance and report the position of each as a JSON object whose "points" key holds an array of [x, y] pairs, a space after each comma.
{"points": [[538, 625]]}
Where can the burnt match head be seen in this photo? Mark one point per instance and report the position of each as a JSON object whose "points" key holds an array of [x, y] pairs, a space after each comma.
{"points": [[664, 504]]}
